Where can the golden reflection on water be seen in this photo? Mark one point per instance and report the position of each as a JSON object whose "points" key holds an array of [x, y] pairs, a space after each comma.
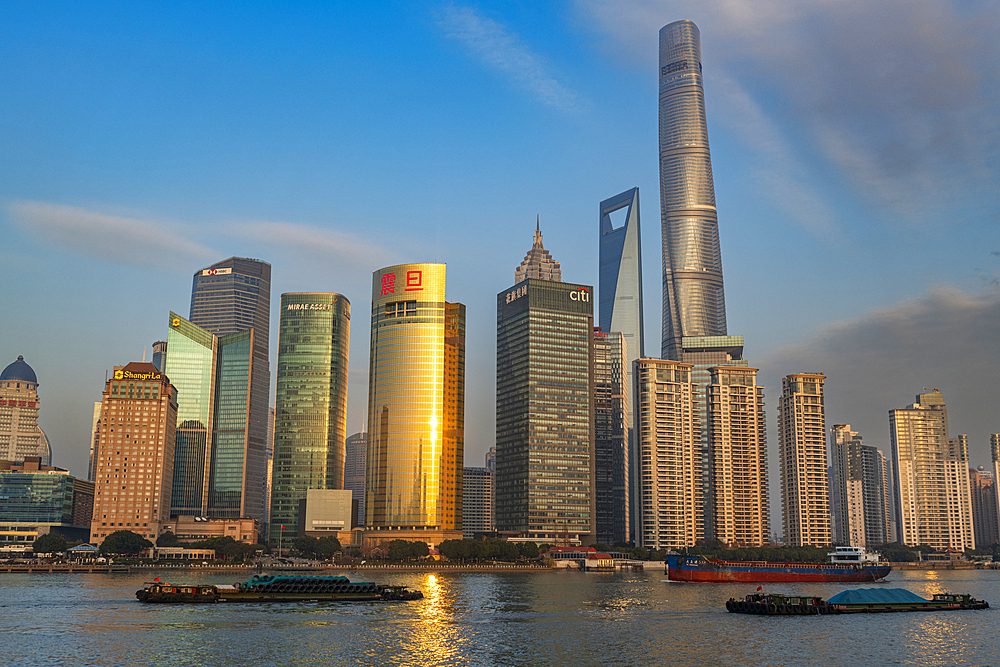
{"points": [[435, 639]]}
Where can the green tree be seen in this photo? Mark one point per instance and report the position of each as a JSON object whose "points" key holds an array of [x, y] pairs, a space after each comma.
{"points": [[167, 539], [124, 542], [529, 550], [405, 550], [49, 543]]}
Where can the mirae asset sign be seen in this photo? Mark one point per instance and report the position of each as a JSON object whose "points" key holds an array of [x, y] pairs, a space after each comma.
{"points": [[310, 306]]}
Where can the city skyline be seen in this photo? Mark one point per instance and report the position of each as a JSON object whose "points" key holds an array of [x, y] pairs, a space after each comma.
{"points": [[118, 225]]}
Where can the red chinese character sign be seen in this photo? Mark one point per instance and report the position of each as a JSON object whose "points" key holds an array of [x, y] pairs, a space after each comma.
{"points": [[408, 282], [414, 281]]}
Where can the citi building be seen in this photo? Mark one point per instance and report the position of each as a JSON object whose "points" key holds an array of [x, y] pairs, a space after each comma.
{"points": [[545, 412]]}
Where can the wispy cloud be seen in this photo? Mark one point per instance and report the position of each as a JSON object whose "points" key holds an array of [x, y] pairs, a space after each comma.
{"points": [[899, 97], [502, 50], [329, 246], [108, 237], [779, 171]]}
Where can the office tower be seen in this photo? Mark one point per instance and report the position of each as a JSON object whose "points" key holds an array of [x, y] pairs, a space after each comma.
{"points": [[545, 437], [983, 491], [477, 502], [538, 263], [95, 438], [310, 401], [136, 453], [737, 435], [620, 307], [667, 467], [20, 435], [217, 470], [805, 491], [416, 407], [611, 451], [40, 499], [932, 500], [693, 298], [491, 459], [230, 297], [354, 472], [159, 353], [859, 490]]}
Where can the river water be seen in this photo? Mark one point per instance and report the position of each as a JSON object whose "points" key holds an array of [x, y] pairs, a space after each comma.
{"points": [[569, 619]]}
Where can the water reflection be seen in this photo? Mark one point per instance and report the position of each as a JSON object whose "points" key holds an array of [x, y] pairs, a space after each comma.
{"points": [[510, 618]]}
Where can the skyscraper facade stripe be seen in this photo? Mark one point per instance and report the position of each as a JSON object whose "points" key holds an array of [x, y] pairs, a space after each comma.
{"points": [[693, 297]]}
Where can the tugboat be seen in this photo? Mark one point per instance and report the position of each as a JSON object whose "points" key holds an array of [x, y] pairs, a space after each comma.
{"points": [[846, 564], [279, 588]]}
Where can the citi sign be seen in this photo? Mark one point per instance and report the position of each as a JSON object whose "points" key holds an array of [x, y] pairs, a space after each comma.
{"points": [[582, 294]]}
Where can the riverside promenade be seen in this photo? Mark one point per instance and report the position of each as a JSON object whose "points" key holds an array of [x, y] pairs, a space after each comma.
{"points": [[132, 568]]}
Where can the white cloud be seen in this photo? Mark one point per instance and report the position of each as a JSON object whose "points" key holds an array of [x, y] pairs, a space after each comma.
{"points": [[328, 246], [498, 48], [108, 237]]}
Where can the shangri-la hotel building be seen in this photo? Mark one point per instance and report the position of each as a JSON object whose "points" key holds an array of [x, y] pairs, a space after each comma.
{"points": [[135, 453]]}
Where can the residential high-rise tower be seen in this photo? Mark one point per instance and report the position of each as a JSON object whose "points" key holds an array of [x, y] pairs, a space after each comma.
{"points": [[667, 466], [931, 470], [310, 421], [805, 491], [859, 490], [737, 439]]}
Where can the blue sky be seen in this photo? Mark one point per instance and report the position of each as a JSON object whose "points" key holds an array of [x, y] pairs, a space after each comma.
{"points": [[855, 151]]}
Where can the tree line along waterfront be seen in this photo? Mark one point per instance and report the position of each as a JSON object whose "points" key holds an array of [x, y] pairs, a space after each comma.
{"points": [[127, 546]]}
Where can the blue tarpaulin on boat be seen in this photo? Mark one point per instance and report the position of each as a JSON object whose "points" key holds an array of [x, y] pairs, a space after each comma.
{"points": [[875, 596]]}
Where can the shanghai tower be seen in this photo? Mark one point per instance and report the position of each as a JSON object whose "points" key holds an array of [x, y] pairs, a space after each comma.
{"points": [[693, 301], [694, 304]]}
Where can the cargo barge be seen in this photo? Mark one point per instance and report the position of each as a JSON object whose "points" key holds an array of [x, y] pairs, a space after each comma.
{"points": [[846, 564], [279, 588], [859, 601]]}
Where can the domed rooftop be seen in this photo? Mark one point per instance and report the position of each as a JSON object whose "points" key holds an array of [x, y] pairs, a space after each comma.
{"points": [[19, 370]]}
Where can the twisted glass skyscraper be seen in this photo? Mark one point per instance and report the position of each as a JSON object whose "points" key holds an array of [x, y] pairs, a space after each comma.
{"points": [[694, 303], [693, 300]]}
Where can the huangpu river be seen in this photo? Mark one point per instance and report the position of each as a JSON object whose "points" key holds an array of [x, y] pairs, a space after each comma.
{"points": [[570, 619]]}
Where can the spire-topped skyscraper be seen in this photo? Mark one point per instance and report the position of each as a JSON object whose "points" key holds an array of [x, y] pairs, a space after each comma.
{"points": [[538, 263]]}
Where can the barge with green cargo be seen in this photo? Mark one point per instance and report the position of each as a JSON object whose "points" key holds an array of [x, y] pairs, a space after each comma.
{"points": [[279, 588]]}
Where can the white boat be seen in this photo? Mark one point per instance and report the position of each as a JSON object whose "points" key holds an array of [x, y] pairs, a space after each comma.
{"points": [[853, 555]]}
